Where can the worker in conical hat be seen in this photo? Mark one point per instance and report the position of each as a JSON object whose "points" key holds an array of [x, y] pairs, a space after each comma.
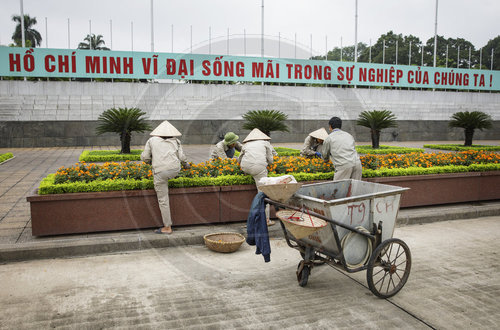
{"points": [[164, 152], [227, 147], [256, 154], [313, 143]]}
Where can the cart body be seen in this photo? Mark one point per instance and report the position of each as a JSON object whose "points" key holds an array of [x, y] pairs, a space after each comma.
{"points": [[354, 203]]}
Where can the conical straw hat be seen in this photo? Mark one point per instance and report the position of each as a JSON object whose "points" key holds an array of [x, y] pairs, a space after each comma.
{"points": [[319, 134], [256, 134], [300, 224], [165, 129]]}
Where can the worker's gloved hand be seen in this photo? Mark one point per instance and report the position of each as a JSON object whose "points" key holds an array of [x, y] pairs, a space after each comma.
{"points": [[187, 166], [318, 154]]}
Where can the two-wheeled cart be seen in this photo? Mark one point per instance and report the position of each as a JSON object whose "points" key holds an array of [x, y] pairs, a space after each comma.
{"points": [[357, 234]]}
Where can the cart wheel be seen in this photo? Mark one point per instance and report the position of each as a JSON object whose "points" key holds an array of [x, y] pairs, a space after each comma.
{"points": [[303, 272], [388, 268]]}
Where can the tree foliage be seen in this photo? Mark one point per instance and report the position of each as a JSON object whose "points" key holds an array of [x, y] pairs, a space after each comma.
{"points": [[30, 34], [91, 41], [265, 120], [450, 52], [376, 121], [470, 121], [123, 121]]}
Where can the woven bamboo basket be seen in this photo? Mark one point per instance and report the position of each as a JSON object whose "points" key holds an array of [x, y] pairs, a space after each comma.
{"points": [[224, 242], [300, 224], [280, 192]]}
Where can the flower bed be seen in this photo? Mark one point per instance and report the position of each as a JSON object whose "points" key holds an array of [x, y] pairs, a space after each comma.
{"points": [[387, 150], [5, 156], [461, 147], [84, 177], [425, 160]]}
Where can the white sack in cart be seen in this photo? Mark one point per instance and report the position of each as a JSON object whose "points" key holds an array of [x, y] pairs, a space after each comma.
{"points": [[279, 188], [277, 180]]}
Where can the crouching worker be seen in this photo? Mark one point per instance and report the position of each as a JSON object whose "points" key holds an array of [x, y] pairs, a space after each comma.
{"points": [[164, 152], [227, 147], [313, 144], [255, 155]]}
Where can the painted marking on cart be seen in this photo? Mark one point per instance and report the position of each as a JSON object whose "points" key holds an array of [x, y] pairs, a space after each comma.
{"points": [[358, 217], [389, 206], [319, 211]]}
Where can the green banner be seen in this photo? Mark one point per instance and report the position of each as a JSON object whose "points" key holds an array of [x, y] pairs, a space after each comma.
{"points": [[70, 63]]}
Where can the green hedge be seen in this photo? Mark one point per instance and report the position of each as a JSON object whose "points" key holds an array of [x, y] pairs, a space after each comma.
{"points": [[47, 186], [368, 173], [135, 154], [461, 147], [4, 157], [109, 156], [280, 150], [387, 150]]}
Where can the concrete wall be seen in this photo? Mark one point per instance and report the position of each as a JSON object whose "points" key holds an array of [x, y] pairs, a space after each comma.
{"points": [[37, 114]]}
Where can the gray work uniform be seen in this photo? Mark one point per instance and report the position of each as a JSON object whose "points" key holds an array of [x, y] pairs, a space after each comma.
{"points": [[340, 148], [165, 157], [311, 146], [219, 151], [254, 158]]}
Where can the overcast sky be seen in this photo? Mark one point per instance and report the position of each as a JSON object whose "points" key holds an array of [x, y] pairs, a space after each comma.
{"points": [[327, 20]]}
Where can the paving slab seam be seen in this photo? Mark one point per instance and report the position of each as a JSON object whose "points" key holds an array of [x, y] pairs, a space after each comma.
{"points": [[60, 248], [389, 300]]}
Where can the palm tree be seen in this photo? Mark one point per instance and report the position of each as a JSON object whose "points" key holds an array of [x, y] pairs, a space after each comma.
{"points": [[123, 121], [470, 121], [30, 34], [376, 121], [93, 42], [265, 120]]}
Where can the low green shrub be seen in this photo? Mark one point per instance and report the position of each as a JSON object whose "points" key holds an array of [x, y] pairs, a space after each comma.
{"points": [[369, 173], [461, 147], [109, 155], [280, 150], [387, 150], [48, 185], [5, 156]]}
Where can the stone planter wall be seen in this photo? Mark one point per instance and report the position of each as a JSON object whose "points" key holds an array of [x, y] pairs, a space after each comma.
{"points": [[446, 188], [132, 209], [119, 210]]}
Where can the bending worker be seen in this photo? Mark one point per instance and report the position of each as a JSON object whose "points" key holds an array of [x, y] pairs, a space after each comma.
{"points": [[256, 154], [313, 143], [164, 152], [339, 147], [227, 147]]}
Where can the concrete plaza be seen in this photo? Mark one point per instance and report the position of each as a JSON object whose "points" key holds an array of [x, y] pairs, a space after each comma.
{"points": [[453, 284]]}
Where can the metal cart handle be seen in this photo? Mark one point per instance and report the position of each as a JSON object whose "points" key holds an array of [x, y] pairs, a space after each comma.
{"points": [[340, 224]]}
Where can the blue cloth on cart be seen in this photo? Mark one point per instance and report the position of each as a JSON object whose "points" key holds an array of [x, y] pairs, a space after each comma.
{"points": [[257, 233]]}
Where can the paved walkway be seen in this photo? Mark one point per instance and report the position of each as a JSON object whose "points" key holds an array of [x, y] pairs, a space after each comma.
{"points": [[453, 284], [20, 177]]}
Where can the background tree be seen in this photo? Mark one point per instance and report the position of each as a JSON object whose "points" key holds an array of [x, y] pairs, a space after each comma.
{"points": [[347, 53], [453, 45], [30, 34], [123, 121], [91, 41], [376, 121], [265, 120], [486, 61], [470, 121]]}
